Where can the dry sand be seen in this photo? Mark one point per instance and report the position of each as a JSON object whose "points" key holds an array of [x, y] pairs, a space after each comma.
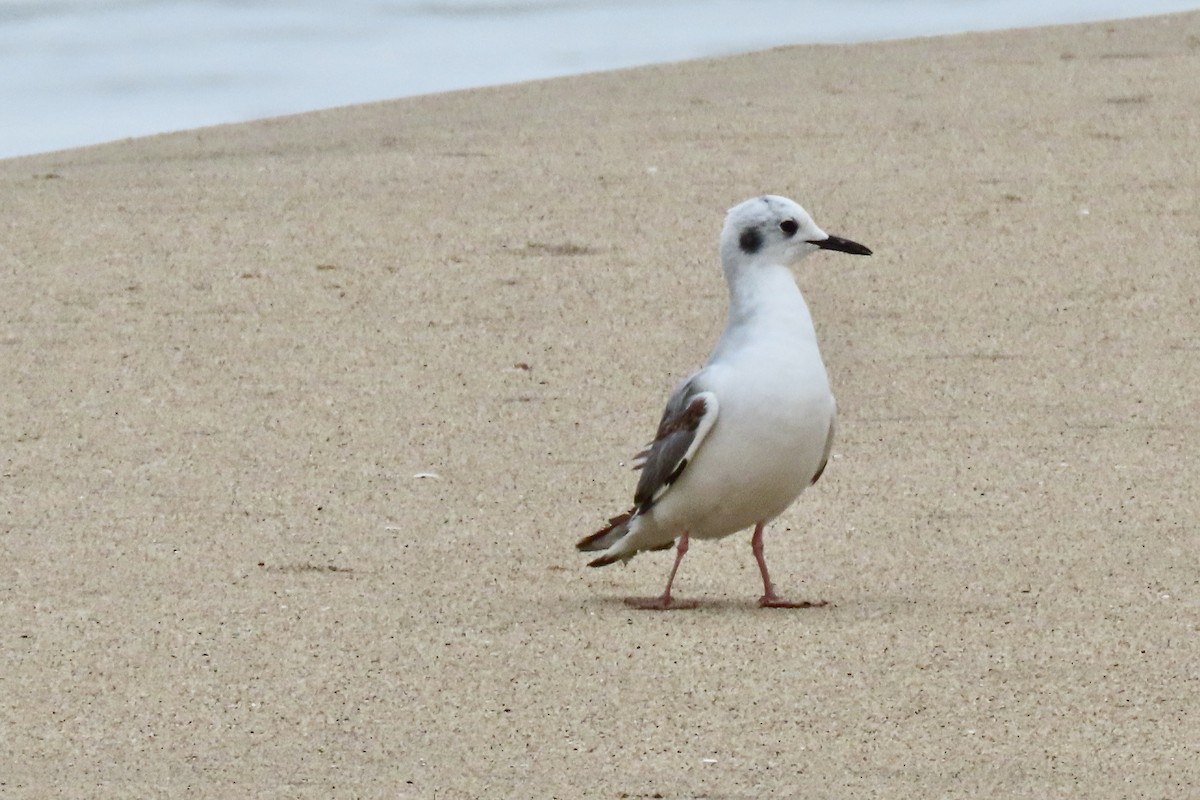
{"points": [[228, 353]]}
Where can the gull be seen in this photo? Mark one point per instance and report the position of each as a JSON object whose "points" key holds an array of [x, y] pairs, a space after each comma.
{"points": [[744, 436]]}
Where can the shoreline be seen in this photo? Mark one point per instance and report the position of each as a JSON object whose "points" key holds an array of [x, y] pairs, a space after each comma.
{"points": [[95, 91]]}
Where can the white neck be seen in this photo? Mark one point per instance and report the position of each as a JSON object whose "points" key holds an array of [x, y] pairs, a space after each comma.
{"points": [[765, 296], [766, 292]]}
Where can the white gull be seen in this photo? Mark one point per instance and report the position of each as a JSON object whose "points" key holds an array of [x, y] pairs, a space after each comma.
{"points": [[744, 436]]}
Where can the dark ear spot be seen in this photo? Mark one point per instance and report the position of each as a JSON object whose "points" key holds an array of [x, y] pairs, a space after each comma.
{"points": [[750, 241]]}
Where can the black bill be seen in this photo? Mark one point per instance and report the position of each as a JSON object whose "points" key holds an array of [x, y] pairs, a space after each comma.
{"points": [[843, 246]]}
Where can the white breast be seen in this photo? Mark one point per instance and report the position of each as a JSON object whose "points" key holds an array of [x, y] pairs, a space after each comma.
{"points": [[766, 446]]}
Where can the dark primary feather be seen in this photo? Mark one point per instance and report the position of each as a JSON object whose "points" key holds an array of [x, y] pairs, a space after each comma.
{"points": [[663, 462]]}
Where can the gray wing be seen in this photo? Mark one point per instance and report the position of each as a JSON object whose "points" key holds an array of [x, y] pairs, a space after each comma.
{"points": [[825, 455], [689, 415]]}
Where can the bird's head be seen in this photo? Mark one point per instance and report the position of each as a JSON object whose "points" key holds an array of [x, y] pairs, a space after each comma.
{"points": [[775, 230]]}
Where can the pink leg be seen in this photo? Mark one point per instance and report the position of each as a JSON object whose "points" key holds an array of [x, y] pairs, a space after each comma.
{"points": [[664, 602], [769, 598]]}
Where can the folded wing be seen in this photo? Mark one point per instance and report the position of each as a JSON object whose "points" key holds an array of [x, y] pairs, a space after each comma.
{"points": [[688, 418]]}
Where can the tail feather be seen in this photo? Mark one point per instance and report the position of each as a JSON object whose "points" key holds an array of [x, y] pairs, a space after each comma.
{"points": [[603, 539]]}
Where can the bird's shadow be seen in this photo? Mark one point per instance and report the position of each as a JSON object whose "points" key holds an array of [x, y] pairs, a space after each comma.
{"points": [[702, 604]]}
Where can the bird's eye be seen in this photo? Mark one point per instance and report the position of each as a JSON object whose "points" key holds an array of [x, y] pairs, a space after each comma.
{"points": [[789, 227]]}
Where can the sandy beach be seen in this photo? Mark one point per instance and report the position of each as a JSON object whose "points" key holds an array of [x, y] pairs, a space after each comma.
{"points": [[303, 417]]}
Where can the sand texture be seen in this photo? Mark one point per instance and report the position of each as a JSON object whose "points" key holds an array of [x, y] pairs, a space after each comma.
{"points": [[302, 418]]}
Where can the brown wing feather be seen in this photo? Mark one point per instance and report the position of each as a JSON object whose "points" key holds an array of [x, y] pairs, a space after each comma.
{"points": [[661, 463], [664, 461]]}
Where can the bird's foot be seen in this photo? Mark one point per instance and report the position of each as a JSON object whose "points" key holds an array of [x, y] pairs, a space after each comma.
{"points": [[661, 603], [775, 601]]}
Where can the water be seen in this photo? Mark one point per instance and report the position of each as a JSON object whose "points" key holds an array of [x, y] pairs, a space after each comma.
{"points": [[76, 72]]}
